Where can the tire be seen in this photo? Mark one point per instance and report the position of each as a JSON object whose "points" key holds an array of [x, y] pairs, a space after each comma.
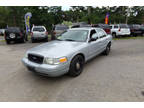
{"points": [[26, 37], [23, 40], [76, 66], [46, 40], [32, 40], [107, 50], [114, 35], [7, 41]]}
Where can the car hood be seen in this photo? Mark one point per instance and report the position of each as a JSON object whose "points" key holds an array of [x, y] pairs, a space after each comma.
{"points": [[55, 48]]}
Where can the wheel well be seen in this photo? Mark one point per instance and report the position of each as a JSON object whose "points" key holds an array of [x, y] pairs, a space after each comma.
{"points": [[113, 32], [81, 54]]}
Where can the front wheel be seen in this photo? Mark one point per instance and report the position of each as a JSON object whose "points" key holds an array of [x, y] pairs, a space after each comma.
{"points": [[76, 66]]}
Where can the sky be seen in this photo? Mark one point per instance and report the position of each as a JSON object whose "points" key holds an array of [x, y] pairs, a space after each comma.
{"points": [[65, 8]]}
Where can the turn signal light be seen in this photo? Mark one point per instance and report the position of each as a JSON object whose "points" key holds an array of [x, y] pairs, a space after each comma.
{"points": [[62, 60]]}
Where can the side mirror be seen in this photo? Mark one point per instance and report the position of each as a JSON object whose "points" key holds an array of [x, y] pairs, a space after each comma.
{"points": [[93, 39]]}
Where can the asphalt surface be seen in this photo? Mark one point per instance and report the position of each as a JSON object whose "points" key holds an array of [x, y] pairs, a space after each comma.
{"points": [[116, 77], [1, 38]]}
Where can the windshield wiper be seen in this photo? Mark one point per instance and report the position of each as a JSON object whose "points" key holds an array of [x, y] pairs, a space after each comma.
{"points": [[69, 40]]}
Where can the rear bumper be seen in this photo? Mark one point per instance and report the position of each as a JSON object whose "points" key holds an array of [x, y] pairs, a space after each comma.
{"points": [[122, 34], [45, 69], [14, 39], [39, 37]]}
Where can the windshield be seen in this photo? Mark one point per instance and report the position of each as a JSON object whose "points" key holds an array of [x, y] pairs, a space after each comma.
{"points": [[61, 28], [39, 29], [74, 35], [13, 29]]}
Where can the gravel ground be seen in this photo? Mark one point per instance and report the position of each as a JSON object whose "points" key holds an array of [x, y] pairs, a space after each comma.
{"points": [[117, 77]]}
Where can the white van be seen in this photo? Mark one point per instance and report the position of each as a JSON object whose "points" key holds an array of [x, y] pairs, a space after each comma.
{"points": [[120, 30], [39, 33]]}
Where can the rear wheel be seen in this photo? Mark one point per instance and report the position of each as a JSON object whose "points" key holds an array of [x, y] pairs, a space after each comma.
{"points": [[107, 50], [76, 66], [7, 41], [32, 40], [114, 35]]}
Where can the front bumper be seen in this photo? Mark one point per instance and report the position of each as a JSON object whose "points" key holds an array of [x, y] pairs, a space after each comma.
{"points": [[45, 69]]}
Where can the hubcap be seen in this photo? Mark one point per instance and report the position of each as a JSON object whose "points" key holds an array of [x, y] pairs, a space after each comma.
{"points": [[77, 66]]}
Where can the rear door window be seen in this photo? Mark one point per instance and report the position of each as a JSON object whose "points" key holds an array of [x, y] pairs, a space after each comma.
{"points": [[39, 29], [101, 33]]}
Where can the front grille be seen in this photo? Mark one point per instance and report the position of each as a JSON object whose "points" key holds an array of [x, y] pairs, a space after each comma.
{"points": [[35, 58]]}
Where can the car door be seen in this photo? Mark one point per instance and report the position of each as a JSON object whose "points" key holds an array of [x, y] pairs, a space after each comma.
{"points": [[94, 46], [102, 39]]}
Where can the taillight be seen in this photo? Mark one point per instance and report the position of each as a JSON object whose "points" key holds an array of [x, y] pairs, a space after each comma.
{"points": [[119, 30], [46, 33], [31, 33], [108, 31]]}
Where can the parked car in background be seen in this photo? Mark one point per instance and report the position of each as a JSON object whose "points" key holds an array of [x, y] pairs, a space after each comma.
{"points": [[142, 29], [105, 27], [136, 29], [69, 52], [118, 30], [59, 29], [2, 31], [80, 24], [15, 34], [39, 33]]}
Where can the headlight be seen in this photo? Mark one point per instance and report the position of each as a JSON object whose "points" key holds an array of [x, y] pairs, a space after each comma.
{"points": [[55, 61]]}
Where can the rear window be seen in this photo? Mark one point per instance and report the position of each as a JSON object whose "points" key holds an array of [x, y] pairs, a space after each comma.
{"points": [[61, 28], [13, 29], [115, 26], [39, 29], [124, 26]]}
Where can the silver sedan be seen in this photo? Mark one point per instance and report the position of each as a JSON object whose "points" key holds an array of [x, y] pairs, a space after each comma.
{"points": [[68, 53]]}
